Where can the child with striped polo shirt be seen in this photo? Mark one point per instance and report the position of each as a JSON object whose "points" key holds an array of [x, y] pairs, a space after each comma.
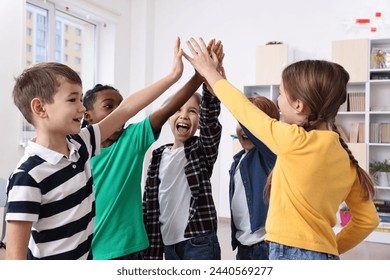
{"points": [[51, 203]]}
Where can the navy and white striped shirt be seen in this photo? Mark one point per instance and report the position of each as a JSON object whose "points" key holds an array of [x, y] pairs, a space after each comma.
{"points": [[55, 193]]}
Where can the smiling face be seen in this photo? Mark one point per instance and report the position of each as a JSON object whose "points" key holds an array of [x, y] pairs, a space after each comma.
{"points": [[185, 121], [66, 111], [105, 102]]}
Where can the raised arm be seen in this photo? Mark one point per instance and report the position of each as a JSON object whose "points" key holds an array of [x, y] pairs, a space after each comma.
{"points": [[175, 102], [135, 102]]}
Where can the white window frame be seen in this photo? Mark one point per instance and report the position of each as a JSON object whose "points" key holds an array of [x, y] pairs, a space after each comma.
{"points": [[51, 7]]}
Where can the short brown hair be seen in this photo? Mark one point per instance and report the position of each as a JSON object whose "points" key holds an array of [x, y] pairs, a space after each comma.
{"points": [[40, 81], [265, 105]]}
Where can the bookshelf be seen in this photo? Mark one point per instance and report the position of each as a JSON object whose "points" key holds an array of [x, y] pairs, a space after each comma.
{"points": [[368, 105]]}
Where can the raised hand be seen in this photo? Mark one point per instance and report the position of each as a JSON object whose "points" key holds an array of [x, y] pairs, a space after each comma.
{"points": [[177, 68], [204, 62], [218, 50]]}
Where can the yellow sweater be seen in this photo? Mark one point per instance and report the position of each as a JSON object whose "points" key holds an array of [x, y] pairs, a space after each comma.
{"points": [[312, 177]]}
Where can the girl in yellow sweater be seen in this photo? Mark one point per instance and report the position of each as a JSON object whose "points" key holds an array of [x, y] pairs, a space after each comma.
{"points": [[314, 171]]}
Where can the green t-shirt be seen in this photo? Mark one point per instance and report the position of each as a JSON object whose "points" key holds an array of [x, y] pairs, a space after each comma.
{"points": [[117, 172]]}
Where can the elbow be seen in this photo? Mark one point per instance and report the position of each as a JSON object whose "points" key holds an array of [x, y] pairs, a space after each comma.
{"points": [[375, 221]]}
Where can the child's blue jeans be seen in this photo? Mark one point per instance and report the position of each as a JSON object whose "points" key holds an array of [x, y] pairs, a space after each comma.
{"points": [[258, 251], [202, 247], [282, 252]]}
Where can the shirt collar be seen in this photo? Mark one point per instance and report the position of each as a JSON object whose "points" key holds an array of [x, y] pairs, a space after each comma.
{"points": [[51, 156]]}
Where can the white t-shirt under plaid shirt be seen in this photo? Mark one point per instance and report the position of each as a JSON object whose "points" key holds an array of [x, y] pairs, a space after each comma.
{"points": [[55, 193]]}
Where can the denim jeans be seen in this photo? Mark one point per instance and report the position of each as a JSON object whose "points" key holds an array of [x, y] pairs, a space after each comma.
{"points": [[282, 252], [201, 247], [258, 251]]}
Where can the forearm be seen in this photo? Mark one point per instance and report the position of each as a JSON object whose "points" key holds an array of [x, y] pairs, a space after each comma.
{"points": [[18, 234], [209, 126], [175, 102], [140, 99], [132, 104], [364, 220]]}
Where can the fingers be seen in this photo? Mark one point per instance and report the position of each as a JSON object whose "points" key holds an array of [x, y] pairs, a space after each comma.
{"points": [[217, 46], [186, 56], [202, 45], [192, 44], [214, 56], [221, 57], [196, 47], [176, 46], [210, 45]]}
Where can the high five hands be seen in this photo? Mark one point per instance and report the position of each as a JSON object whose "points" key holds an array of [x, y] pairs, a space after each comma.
{"points": [[207, 60]]}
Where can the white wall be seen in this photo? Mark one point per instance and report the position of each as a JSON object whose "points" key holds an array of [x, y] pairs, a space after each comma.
{"points": [[11, 27], [138, 47], [308, 27]]}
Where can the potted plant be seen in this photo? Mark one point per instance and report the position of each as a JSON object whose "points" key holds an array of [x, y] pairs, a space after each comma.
{"points": [[380, 170]]}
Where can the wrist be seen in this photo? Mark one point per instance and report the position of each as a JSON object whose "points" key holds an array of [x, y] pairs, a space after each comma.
{"points": [[173, 77]]}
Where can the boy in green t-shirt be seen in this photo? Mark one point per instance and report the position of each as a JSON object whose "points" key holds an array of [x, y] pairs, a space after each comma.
{"points": [[119, 230]]}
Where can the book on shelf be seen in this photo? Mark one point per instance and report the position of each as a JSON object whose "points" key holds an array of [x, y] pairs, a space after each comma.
{"points": [[356, 134], [383, 208], [374, 132], [385, 132], [356, 101], [384, 218], [380, 132], [361, 132], [381, 202]]}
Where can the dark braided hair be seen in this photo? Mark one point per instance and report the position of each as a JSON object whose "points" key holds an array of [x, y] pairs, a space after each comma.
{"points": [[322, 87]]}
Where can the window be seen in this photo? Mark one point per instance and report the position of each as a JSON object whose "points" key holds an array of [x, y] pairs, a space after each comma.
{"points": [[77, 46], [53, 35]]}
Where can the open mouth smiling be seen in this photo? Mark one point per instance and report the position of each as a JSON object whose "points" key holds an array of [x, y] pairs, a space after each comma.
{"points": [[182, 126]]}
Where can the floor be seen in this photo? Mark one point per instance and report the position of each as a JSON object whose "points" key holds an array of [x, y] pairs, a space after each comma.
{"points": [[364, 251]]}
